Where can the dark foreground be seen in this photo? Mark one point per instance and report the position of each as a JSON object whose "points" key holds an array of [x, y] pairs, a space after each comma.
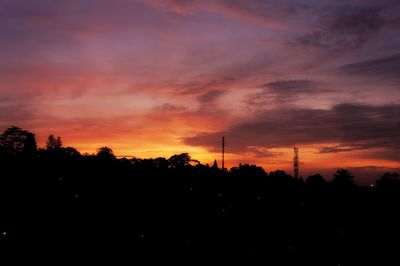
{"points": [[93, 209]]}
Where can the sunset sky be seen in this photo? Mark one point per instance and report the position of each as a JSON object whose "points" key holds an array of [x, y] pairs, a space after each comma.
{"points": [[152, 78]]}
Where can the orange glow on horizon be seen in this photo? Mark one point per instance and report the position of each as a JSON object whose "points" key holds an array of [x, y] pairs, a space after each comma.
{"points": [[311, 161]]}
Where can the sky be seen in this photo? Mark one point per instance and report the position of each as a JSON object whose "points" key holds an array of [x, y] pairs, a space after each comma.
{"points": [[152, 78]]}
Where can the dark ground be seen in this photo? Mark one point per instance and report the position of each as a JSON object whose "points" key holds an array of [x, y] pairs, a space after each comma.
{"points": [[86, 208]]}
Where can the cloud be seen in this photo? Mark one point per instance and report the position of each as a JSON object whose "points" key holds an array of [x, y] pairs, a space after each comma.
{"points": [[286, 90], [190, 66], [268, 13], [393, 23], [352, 126], [78, 18], [182, 7], [170, 108], [15, 113], [273, 14], [203, 87], [17, 108], [341, 148], [210, 96], [343, 28], [292, 85], [383, 69]]}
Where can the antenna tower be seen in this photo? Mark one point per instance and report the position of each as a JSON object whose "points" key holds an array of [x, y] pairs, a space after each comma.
{"points": [[296, 162], [223, 152]]}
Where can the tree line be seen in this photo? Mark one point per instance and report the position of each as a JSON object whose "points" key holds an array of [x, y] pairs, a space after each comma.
{"points": [[57, 201], [17, 143]]}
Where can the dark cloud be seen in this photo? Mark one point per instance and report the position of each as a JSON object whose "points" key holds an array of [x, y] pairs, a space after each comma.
{"points": [[261, 152], [351, 126], [393, 23], [383, 69], [15, 111], [291, 85], [344, 28], [196, 87], [210, 96], [341, 148], [271, 12], [286, 90]]}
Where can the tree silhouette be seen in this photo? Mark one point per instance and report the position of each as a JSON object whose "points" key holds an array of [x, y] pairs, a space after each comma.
{"points": [[179, 160], [105, 153], [248, 170], [71, 152], [53, 143], [160, 162], [389, 181], [343, 177], [316, 181], [16, 141]]}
